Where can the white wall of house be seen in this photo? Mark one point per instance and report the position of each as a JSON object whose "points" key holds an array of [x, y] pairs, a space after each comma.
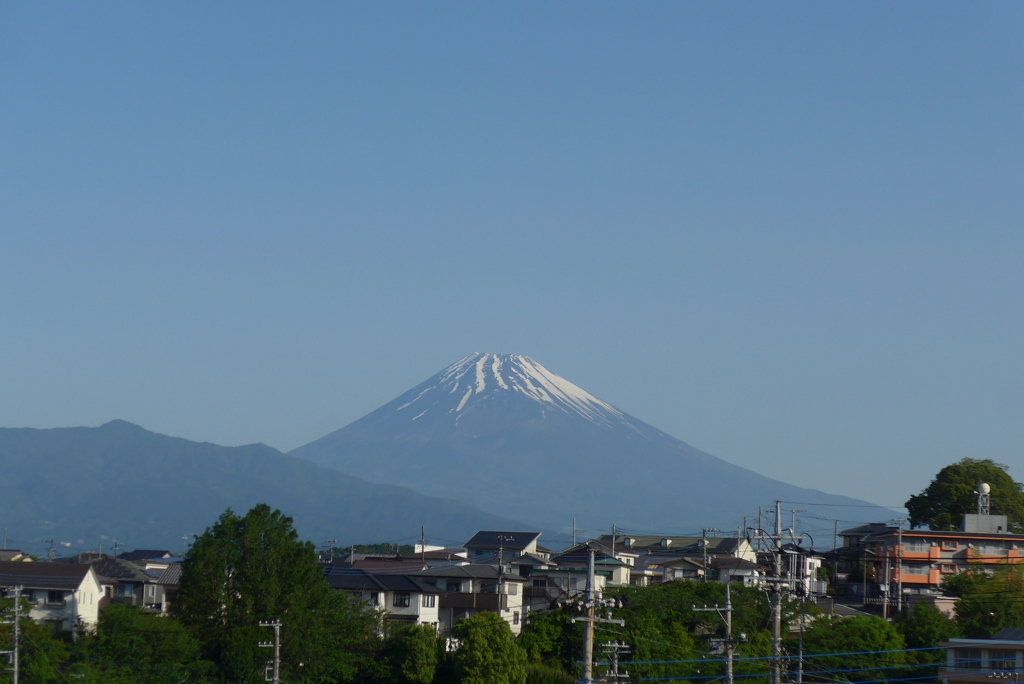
{"points": [[70, 608]]}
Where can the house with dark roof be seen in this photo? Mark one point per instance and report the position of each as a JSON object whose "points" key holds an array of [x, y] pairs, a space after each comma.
{"points": [[470, 589], [508, 545], [14, 555], [402, 598], [65, 595]]}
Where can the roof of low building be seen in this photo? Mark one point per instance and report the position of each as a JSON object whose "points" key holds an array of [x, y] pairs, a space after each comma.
{"points": [[145, 554], [43, 575], [14, 554], [120, 570], [353, 579], [496, 539], [471, 571], [170, 575]]}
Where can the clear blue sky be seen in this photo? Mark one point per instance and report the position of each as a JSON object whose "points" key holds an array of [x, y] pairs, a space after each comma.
{"points": [[788, 234]]}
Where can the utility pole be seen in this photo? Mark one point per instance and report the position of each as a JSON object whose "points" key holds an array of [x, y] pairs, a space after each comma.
{"points": [[423, 545], [726, 615], [589, 604], [704, 547], [588, 627], [16, 646], [614, 532], [614, 649], [777, 602], [899, 570], [574, 531], [273, 666]]}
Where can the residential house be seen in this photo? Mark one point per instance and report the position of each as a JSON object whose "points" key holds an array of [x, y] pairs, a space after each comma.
{"points": [[501, 546], [469, 589], [984, 661], [14, 555], [401, 598], [65, 595]]}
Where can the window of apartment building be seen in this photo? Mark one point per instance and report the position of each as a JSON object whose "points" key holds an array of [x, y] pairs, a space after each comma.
{"points": [[453, 587], [1002, 660], [916, 545], [991, 548], [55, 598], [967, 658], [949, 546], [916, 568], [515, 617], [400, 599], [429, 601], [948, 567]]}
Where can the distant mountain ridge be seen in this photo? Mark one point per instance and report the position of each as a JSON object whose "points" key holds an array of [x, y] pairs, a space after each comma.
{"points": [[507, 435], [144, 489]]}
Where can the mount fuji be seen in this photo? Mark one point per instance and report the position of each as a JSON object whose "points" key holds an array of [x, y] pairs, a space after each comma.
{"points": [[505, 434]]}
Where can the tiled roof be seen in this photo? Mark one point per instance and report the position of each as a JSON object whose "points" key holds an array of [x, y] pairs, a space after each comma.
{"points": [[353, 579], [170, 575], [512, 541], [470, 571], [42, 575], [145, 554], [118, 569]]}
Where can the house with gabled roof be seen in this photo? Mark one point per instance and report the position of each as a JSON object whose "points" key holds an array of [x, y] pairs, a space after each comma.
{"points": [[402, 598], [492, 543], [470, 589], [67, 596]]}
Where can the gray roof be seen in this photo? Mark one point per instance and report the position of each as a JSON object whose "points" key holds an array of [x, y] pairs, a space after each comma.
{"points": [[650, 543], [470, 571], [119, 570], [12, 554], [493, 540], [1009, 634], [146, 554], [66, 576], [356, 580], [171, 575]]}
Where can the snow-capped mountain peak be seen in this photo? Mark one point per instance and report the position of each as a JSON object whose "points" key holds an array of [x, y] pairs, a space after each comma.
{"points": [[478, 376]]}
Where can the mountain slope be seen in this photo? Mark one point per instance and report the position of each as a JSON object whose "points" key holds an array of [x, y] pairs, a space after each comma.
{"points": [[146, 489], [507, 435]]}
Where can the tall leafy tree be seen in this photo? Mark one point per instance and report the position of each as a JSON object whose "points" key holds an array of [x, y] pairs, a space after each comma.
{"points": [[988, 604], [952, 493], [487, 653], [874, 647], [411, 654], [132, 647], [246, 569]]}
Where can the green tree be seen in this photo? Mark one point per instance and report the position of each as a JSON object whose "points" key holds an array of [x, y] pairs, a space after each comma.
{"points": [[988, 604], [244, 570], [488, 654], [411, 654], [134, 647], [923, 630], [870, 641], [952, 493]]}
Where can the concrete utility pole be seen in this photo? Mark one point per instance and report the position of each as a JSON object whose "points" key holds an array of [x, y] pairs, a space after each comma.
{"points": [[16, 646], [777, 601], [589, 605], [614, 649], [899, 570], [726, 615], [273, 672]]}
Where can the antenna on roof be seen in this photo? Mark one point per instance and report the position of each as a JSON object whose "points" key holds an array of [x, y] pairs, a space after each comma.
{"points": [[984, 498]]}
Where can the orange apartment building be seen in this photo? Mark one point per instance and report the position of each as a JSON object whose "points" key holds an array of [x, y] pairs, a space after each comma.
{"points": [[925, 557]]}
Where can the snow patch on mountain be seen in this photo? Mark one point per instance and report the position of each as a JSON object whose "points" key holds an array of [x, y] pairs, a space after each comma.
{"points": [[477, 376]]}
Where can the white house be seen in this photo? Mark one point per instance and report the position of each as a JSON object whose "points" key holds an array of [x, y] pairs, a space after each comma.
{"points": [[401, 598], [469, 589], [65, 595]]}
